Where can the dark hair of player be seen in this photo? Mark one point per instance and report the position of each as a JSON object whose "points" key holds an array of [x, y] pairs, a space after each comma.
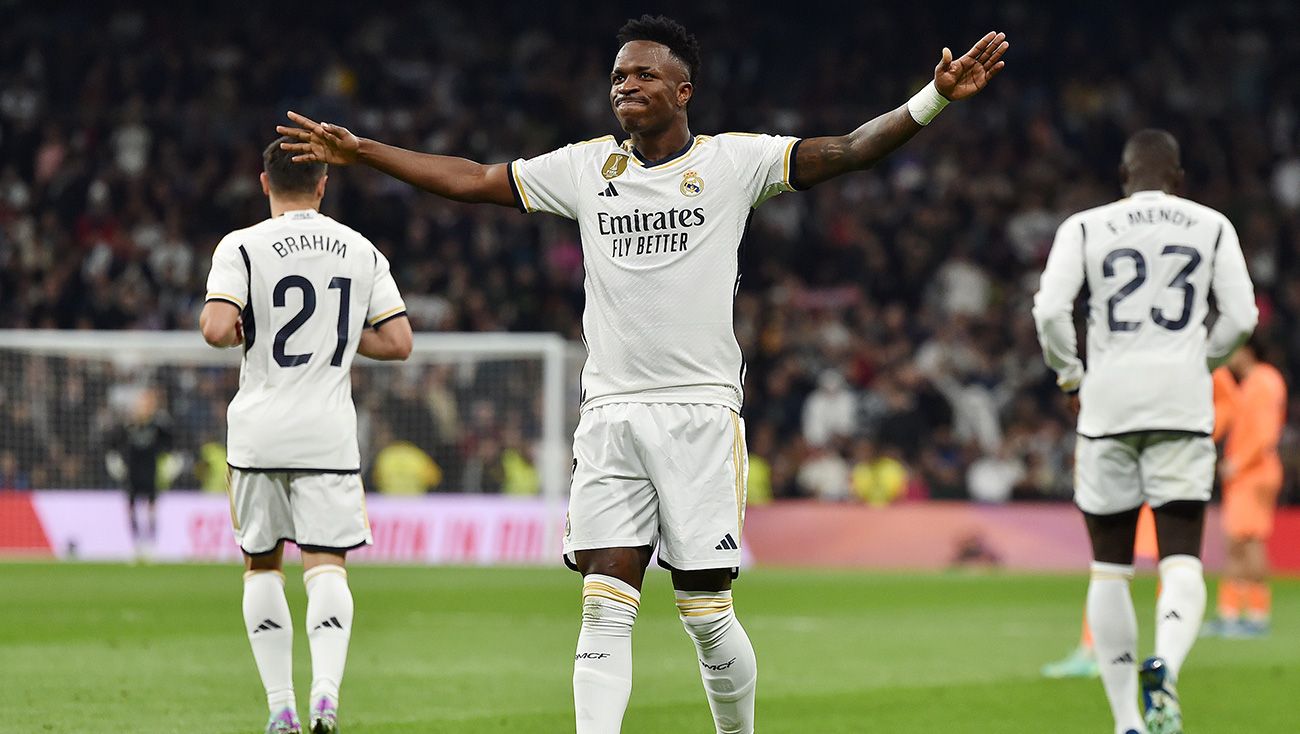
{"points": [[661, 29], [287, 177]]}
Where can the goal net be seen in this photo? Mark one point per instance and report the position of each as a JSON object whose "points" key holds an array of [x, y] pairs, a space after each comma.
{"points": [[467, 414]]}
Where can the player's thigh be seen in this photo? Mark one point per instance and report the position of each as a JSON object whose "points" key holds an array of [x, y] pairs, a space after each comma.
{"points": [[698, 462], [1106, 475], [259, 510], [329, 511], [1177, 467], [612, 503]]}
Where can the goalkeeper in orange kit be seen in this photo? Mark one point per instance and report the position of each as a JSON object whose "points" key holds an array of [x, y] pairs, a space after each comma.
{"points": [[1251, 471]]}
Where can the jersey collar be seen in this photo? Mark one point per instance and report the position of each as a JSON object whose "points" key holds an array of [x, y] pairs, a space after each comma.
{"points": [[662, 161], [294, 214], [1147, 194]]}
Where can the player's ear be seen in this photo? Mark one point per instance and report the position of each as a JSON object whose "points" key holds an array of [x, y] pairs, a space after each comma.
{"points": [[266, 183], [320, 187], [685, 91]]}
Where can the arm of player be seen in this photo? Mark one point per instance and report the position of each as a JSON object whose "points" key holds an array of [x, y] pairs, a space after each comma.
{"points": [[220, 324], [391, 340], [1234, 295], [1225, 398], [453, 178], [820, 159], [1054, 305]]}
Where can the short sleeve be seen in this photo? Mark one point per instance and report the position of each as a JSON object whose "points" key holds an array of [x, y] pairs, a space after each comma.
{"points": [[385, 300], [765, 163], [228, 279], [546, 183]]}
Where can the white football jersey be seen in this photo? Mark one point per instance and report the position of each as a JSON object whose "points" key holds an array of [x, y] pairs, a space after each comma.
{"points": [[1150, 263], [660, 243], [307, 285]]}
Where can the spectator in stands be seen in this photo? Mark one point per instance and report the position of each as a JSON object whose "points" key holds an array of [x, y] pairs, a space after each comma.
{"points": [[109, 209], [402, 468], [829, 412], [876, 477], [825, 474]]}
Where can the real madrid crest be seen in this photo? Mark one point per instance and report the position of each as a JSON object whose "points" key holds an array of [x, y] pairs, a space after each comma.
{"points": [[614, 166], [692, 184]]}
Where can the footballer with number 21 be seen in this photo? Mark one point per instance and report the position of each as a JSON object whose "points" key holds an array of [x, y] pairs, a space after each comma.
{"points": [[659, 451], [303, 294]]}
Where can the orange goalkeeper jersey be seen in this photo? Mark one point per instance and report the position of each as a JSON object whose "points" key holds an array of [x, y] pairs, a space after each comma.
{"points": [[1257, 417], [1225, 400]]}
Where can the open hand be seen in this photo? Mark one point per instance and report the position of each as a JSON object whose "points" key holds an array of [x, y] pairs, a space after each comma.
{"points": [[319, 142], [960, 78]]}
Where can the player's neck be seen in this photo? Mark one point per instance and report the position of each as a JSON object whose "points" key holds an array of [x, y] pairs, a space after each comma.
{"points": [[660, 144], [280, 206], [1138, 187]]}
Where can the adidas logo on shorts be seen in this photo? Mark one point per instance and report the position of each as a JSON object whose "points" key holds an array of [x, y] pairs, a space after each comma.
{"points": [[728, 543]]}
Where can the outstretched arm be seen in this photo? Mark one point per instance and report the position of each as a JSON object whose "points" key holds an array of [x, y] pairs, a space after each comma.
{"points": [[458, 179], [820, 159]]}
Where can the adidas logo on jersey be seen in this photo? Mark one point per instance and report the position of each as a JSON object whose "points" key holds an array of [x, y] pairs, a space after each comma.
{"points": [[331, 623], [728, 543], [609, 190], [266, 626]]}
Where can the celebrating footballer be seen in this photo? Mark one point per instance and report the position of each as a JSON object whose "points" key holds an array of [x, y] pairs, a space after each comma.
{"points": [[660, 458]]}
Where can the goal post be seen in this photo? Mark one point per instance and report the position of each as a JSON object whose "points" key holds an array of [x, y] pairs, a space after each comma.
{"points": [[492, 412]]}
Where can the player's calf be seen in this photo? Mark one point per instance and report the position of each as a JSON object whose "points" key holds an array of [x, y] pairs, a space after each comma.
{"points": [[727, 663], [1181, 605], [329, 629], [270, 633], [602, 666]]}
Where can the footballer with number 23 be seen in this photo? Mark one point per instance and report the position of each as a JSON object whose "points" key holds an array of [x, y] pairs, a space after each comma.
{"points": [[660, 445]]}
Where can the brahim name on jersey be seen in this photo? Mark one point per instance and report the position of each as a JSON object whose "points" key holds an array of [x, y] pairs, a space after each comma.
{"points": [[292, 244]]}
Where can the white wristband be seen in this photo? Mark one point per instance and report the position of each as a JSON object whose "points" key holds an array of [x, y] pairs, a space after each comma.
{"points": [[926, 104]]}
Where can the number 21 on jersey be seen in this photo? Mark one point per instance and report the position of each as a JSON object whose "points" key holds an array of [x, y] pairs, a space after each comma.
{"points": [[279, 300]]}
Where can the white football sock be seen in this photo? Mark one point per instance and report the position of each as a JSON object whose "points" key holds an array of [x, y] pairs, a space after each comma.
{"points": [[329, 627], [270, 632], [727, 663], [1115, 637], [1179, 610], [602, 667]]}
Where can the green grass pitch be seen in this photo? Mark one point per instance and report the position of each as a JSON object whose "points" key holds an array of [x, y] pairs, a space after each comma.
{"points": [[162, 649]]}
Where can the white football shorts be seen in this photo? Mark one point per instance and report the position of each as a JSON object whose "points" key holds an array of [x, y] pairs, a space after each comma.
{"points": [[308, 508], [671, 474], [1116, 474]]}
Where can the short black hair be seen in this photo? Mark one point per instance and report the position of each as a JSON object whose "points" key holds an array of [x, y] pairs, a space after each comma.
{"points": [[1153, 146], [286, 176], [665, 30]]}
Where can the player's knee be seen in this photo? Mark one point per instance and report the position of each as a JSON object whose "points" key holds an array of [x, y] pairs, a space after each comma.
{"points": [[609, 605], [1180, 527], [707, 616], [1113, 536]]}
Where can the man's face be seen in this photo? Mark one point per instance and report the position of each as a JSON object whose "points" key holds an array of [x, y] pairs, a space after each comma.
{"points": [[648, 87]]}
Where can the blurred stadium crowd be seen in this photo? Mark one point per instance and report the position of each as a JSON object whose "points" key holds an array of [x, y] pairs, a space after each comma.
{"points": [[885, 316]]}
